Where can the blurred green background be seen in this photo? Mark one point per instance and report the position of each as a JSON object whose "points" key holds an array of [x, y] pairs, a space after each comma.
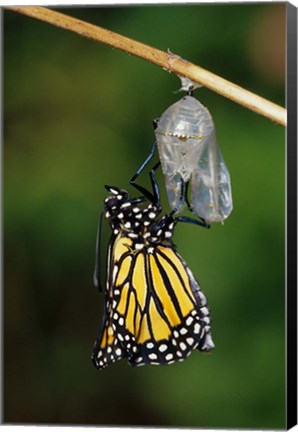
{"points": [[78, 115]]}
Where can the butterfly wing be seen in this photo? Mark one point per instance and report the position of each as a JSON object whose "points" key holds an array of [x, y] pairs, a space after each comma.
{"points": [[115, 341], [155, 312], [174, 315]]}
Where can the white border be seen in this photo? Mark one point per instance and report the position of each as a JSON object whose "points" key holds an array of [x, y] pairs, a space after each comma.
{"points": [[8, 428], [121, 2]]}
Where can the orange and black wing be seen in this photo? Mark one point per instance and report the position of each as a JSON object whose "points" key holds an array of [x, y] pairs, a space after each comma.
{"points": [[155, 312]]}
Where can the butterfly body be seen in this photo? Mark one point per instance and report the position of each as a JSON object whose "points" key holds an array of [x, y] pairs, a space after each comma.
{"points": [[155, 312]]}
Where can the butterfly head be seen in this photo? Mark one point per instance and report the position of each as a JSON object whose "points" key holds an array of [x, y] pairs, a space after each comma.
{"points": [[118, 197], [119, 206]]}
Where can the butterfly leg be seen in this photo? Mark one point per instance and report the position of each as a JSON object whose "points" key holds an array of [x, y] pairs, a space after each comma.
{"points": [[155, 196], [189, 206], [155, 187], [132, 181], [187, 219]]}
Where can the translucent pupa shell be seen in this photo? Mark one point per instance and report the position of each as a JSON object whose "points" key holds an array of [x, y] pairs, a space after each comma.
{"points": [[188, 150]]}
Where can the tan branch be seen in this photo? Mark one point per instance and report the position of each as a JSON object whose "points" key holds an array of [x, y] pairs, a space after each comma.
{"points": [[166, 60]]}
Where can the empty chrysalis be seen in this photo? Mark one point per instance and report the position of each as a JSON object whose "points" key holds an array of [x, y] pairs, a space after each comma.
{"points": [[190, 155]]}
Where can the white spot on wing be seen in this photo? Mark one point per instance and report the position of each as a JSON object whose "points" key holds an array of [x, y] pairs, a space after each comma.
{"points": [[189, 321], [183, 346], [162, 347], [204, 311], [190, 340], [152, 356], [196, 328], [132, 235], [115, 270]]}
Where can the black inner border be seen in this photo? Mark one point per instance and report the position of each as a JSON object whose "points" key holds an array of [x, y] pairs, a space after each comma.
{"points": [[291, 352]]}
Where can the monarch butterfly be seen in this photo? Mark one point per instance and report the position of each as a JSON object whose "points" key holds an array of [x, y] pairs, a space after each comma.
{"points": [[188, 150], [155, 312]]}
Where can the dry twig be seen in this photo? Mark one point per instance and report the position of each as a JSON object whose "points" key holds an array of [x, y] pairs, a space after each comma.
{"points": [[166, 60]]}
